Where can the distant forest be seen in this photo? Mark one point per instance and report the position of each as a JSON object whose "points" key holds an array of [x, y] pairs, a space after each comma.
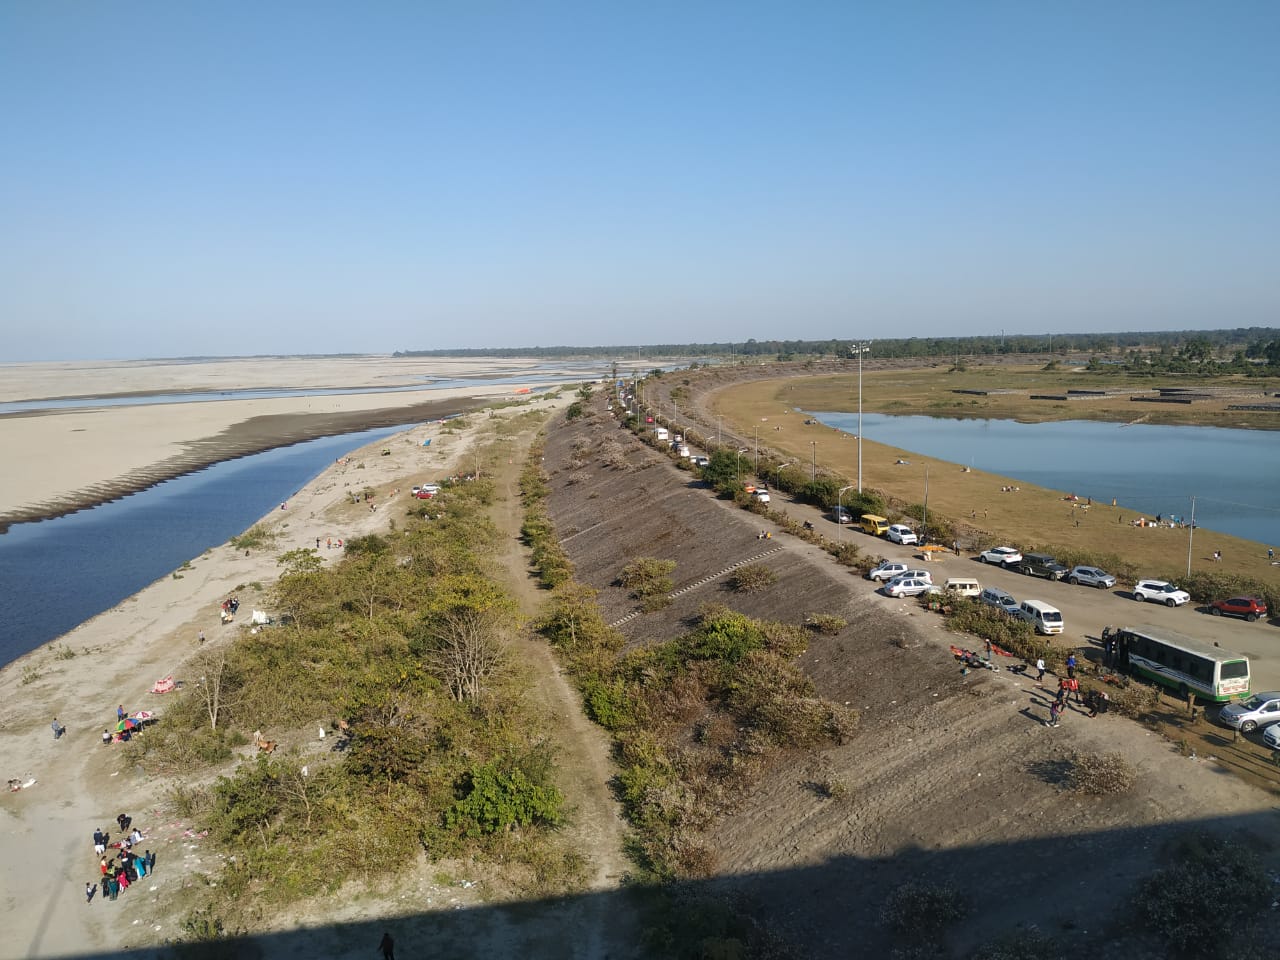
{"points": [[1247, 349]]}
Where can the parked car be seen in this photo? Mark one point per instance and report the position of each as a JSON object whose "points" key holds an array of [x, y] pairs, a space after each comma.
{"points": [[906, 587], [1005, 556], [887, 570], [761, 494], [1091, 577], [1045, 618], [1260, 710], [901, 533], [1158, 591], [1251, 608], [996, 597], [841, 515], [963, 587], [1271, 736], [1041, 565]]}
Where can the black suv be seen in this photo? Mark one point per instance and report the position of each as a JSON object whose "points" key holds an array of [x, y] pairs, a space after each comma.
{"points": [[1041, 565]]}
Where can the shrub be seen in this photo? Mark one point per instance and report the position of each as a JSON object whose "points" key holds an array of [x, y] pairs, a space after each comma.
{"points": [[253, 538], [576, 410], [495, 800], [1206, 897], [825, 623], [752, 578], [988, 622], [1133, 700], [920, 910], [1100, 774], [1025, 945], [647, 576]]}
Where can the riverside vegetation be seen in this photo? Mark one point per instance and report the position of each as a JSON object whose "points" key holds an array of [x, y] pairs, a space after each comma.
{"points": [[399, 649]]}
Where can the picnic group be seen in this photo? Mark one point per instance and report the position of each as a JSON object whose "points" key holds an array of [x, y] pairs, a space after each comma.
{"points": [[122, 868]]}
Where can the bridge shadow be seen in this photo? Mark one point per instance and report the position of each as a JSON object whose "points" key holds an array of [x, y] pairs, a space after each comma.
{"points": [[1069, 886]]}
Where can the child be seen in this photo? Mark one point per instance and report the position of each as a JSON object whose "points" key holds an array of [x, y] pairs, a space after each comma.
{"points": [[1055, 714]]}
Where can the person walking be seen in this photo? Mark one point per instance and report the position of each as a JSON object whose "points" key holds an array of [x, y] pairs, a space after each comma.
{"points": [[1040, 671], [988, 642], [120, 712], [388, 947], [99, 842], [1055, 714], [89, 890], [58, 729], [151, 861], [1071, 665], [201, 636]]}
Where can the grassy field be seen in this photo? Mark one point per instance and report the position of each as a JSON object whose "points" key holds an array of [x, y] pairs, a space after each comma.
{"points": [[1031, 517]]}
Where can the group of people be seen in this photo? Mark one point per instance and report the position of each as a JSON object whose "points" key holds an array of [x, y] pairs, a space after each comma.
{"points": [[1096, 701], [122, 868], [229, 608]]}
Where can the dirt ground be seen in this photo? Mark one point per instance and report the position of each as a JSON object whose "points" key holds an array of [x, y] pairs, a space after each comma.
{"points": [[952, 776]]}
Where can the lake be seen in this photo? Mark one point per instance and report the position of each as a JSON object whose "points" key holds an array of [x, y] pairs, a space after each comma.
{"points": [[1233, 474], [58, 573]]}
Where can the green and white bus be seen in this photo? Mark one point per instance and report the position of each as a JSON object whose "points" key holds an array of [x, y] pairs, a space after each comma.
{"points": [[1182, 663]]}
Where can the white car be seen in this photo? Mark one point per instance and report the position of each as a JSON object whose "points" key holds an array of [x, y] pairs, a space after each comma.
{"points": [[1005, 556], [1158, 591], [890, 570], [1271, 736], [906, 587], [761, 495], [901, 533]]}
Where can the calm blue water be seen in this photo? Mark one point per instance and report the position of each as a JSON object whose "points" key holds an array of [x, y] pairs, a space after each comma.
{"points": [[55, 574], [1233, 474]]}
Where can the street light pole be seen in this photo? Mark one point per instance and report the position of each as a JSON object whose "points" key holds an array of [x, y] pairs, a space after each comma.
{"points": [[814, 444], [1191, 533], [777, 474], [719, 424], [862, 348], [840, 504], [756, 467]]}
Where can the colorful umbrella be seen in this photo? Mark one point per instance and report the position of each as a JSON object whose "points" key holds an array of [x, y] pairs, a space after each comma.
{"points": [[128, 723]]}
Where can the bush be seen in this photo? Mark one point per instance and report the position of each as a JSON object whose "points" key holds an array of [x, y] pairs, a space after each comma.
{"points": [[1134, 700], [1100, 774], [752, 578], [253, 538], [646, 577], [920, 910], [1202, 902], [825, 623], [1026, 945], [495, 800], [1017, 636]]}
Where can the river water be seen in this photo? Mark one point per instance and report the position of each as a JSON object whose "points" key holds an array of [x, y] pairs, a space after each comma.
{"points": [[1233, 474], [55, 574]]}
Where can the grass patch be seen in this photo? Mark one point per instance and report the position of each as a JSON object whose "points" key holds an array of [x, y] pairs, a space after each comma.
{"points": [[255, 538]]}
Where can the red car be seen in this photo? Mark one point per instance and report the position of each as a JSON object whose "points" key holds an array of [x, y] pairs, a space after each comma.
{"points": [[1251, 608]]}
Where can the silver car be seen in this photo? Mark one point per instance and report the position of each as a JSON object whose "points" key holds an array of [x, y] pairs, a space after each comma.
{"points": [[1260, 710], [906, 587], [1091, 577]]}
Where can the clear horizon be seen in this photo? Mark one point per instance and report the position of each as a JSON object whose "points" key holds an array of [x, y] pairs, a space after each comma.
{"points": [[323, 179]]}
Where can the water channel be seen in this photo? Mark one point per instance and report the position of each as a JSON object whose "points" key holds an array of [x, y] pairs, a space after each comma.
{"points": [[55, 574], [1233, 474]]}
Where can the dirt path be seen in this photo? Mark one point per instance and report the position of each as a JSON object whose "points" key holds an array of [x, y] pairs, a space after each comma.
{"points": [[584, 764]]}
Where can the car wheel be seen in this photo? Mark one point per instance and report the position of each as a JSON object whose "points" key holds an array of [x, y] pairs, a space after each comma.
{"points": [[1139, 597], [982, 558], [1171, 602], [1248, 726], [1252, 617], [1100, 585], [1074, 581], [1215, 612]]}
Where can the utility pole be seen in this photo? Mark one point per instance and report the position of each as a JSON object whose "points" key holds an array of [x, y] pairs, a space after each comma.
{"points": [[814, 444], [756, 466], [1191, 533], [719, 424], [925, 523]]}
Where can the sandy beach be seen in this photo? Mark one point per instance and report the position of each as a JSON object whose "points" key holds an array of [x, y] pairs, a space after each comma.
{"points": [[74, 784], [64, 460]]}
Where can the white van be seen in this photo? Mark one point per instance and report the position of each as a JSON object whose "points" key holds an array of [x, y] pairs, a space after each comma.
{"points": [[1046, 619], [660, 432], [963, 587]]}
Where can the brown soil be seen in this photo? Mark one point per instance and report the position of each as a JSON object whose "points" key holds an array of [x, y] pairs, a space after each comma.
{"points": [[952, 777]]}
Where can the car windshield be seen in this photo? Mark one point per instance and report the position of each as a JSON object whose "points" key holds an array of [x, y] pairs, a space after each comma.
{"points": [[1051, 616], [1253, 703], [1168, 588]]}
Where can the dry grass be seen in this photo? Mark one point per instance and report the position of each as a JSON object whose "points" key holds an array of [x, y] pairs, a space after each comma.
{"points": [[1034, 517]]}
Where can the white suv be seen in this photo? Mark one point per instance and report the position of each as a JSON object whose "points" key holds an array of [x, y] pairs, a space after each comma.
{"points": [[901, 533], [1158, 591], [1005, 556]]}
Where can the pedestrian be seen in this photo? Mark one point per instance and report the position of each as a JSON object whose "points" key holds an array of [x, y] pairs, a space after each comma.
{"points": [[1271, 554], [1217, 556], [1061, 698], [201, 638], [106, 887], [99, 842], [103, 865], [388, 947], [113, 885], [1071, 665], [124, 820], [151, 861], [1073, 687], [106, 737], [58, 729], [1040, 671], [89, 890], [317, 543], [1055, 714], [988, 642], [955, 545], [120, 712]]}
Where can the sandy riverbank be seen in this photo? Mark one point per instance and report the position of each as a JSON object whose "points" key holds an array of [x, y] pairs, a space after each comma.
{"points": [[115, 658], [59, 461]]}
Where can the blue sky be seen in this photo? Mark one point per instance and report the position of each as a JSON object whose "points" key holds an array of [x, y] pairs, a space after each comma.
{"points": [[232, 178]]}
